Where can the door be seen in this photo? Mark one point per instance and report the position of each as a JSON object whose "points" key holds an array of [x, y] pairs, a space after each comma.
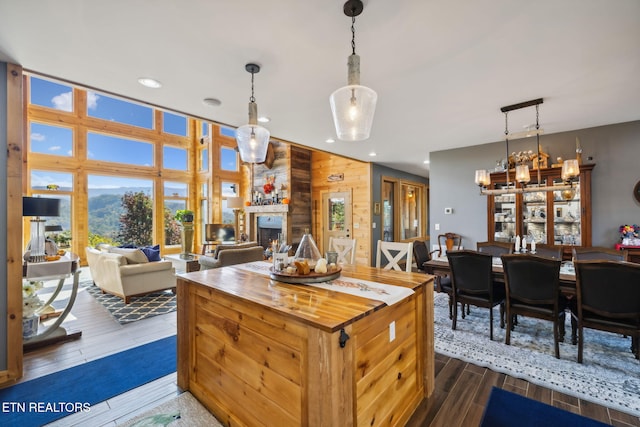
{"points": [[336, 217]]}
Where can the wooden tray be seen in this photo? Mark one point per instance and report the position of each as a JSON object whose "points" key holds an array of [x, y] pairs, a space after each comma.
{"points": [[312, 277]]}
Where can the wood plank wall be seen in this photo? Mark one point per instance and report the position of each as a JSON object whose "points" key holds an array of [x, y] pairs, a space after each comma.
{"points": [[300, 184], [357, 180]]}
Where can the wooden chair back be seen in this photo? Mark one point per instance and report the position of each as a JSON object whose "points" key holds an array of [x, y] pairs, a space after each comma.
{"points": [[395, 253], [346, 249], [549, 251], [448, 242]]}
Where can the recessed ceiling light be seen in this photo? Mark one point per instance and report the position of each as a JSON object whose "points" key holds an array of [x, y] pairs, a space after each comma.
{"points": [[330, 141], [372, 154], [426, 162], [211, 102], [149, 82], [264, 119]]}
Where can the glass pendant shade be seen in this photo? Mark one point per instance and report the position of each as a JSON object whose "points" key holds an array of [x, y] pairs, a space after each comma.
{"points": [[253, 141], [522, 174], [353, 107], [570, 169], [483, 179]]}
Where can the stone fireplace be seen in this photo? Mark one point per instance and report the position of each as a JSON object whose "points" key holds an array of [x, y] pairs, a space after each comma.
{"points": [[266, 222]]}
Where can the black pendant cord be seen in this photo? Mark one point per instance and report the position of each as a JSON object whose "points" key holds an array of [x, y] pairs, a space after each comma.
{"points": [[538, 144], [506, 138], [353, 35], [253, 98]]}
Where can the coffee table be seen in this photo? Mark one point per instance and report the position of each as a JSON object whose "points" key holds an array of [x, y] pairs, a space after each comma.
{"points": [[183, 265]]}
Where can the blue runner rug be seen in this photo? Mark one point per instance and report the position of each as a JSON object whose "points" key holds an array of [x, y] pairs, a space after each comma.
{"points": [[46, 399], [506, 409]]}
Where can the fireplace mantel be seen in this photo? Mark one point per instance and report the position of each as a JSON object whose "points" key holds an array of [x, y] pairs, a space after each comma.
{"points": [[267, 209]]}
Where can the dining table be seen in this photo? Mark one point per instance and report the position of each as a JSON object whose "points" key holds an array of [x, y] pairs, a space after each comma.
{"points": [[440, 267]]}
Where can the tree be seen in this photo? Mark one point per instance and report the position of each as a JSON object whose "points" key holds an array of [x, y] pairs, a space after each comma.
{"points": [[171, 229], [136, 223]]}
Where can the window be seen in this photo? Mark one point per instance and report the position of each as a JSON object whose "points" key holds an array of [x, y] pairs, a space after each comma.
{"points": [[174, 158], [109, 221], [204, 208], [121, 150], [117, 110], [51, 95], [225, 131], [55, 185], [204, 160], [229, 189], [174, 124], [228, 159], [175, 198], [48, 139]]}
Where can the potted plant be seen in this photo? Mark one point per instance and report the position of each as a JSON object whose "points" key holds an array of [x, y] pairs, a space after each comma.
{"points": [[184, 215]]}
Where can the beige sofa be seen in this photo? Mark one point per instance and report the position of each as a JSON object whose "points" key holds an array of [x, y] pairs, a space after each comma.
{"points": [[232, 254], [127, 274]]}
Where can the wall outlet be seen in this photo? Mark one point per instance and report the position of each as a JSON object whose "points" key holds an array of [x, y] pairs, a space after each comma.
{"points": [[356, 225], [373, 225], [392, 331], [437, 227]]}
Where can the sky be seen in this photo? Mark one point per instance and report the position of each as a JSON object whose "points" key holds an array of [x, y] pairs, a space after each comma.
{"points": [[58, 140]]}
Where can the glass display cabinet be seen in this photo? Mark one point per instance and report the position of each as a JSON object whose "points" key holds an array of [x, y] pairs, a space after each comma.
{"points": [[560, 217]]}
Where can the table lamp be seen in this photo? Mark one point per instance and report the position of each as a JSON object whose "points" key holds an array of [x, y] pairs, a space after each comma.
{"points": [[37, 207]]}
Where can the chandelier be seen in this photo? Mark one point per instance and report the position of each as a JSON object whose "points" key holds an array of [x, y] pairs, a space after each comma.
{"points": [[570, 168]]}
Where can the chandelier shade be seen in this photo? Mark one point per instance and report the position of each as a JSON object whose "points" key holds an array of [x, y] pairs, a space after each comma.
{"points": [[252, 139], [353, 106]]}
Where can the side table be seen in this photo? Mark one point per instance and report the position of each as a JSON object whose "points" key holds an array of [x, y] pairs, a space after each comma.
{"points": [[184, 265], [632, 251], [59, 270]]}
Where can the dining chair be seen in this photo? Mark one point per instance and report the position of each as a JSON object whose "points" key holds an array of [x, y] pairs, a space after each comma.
{"points": [[472, 283], [395, 253], [608, 299], [533, 290], [549, 251], [441, 283], [495, 249], [448, 242], [599, 253], [346, 249]]}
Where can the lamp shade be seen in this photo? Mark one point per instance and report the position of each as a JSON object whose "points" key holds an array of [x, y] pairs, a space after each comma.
{"points": [[235, 202], [40, 206], [353, 107], [483, 179], [253, 141], [570, 169], [522, 174]]}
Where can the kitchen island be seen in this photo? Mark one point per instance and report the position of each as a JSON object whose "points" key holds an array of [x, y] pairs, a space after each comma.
{"points": [[260, 352]]}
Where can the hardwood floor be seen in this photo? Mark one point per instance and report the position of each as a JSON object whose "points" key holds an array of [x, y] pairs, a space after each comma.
{"points": [[461, 391]]}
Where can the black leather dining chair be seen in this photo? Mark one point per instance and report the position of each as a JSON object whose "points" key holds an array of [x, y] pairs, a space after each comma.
{"points": [[440, 283], [549, 251], [495, 249], [608, 299], [533, 290], [598, 253], [472, 283]]}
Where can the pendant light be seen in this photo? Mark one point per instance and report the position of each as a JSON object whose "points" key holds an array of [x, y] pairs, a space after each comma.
{"points": [[353, 105], [253, 139]]}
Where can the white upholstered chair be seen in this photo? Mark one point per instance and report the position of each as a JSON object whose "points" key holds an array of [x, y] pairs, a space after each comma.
{"points": [[400, 251], [346, 249]]}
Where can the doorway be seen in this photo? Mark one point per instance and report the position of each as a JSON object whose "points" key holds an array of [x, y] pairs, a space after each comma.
{"points": [[336, 217]]}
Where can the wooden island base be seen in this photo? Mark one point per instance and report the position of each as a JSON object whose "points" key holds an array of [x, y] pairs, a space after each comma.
{"points": [[260, 352]]}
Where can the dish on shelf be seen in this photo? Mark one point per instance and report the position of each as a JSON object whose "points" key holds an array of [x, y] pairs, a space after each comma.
{"points": [[312, 277]]}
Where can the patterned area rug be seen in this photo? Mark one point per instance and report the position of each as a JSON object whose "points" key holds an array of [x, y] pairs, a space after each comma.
{"points": [[609, 376], [139, 308]]}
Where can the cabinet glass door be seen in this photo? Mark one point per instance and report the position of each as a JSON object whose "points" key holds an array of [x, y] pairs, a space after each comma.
{"points": [[504, 217], [534, 216], [566, 215]]}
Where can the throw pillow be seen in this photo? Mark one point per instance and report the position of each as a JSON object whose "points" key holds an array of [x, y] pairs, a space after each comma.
{"points": [[152, 252], [133, 256]]}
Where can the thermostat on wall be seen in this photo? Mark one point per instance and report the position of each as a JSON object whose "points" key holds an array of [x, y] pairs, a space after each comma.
{"points": [[448, 211]]}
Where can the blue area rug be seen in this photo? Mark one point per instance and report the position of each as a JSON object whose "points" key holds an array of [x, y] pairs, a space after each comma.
{"points": [[46, 399], [506, 409]]}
